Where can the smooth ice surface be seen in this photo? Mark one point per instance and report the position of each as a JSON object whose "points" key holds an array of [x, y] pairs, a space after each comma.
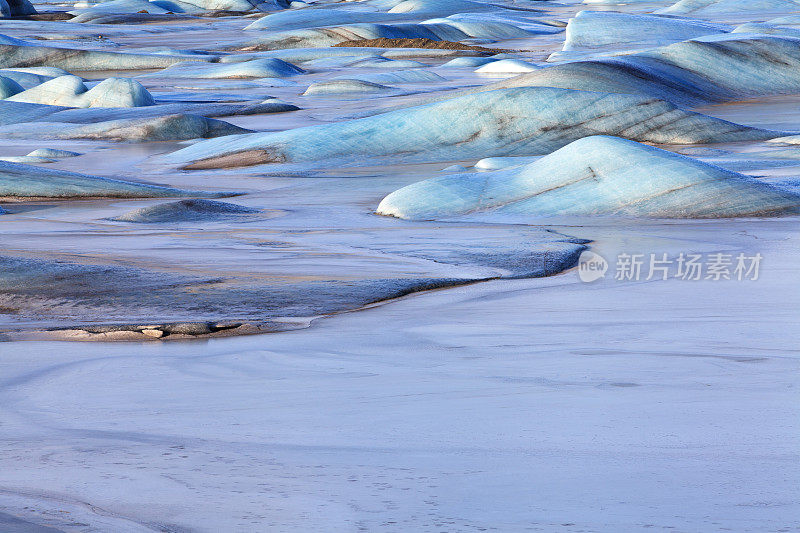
{"points": [[558, 402], [24, 55], [709, 69], [596, 176], [518, 121], [176, 127], [346, 87], [712, 7], [436, 29], [26, 181], [597, 29]]}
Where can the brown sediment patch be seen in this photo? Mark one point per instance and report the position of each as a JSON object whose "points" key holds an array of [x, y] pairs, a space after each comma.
{"points": [[239, 159], [419, 42], [223, 13], [158, 332]]}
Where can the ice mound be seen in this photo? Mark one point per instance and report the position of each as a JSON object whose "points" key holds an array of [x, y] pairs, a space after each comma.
{"points": [[255, 68], [711, 7], [467, 62], [596, 176], [26, 79], [70, 91], [22, 54], [9, 87], [16, 8], [52, 153], [158, 116], [708, 69], [186, 211], [519, 121], [345, 86], [589, 30], [34, 160], [437, 30], [507, 66], [161, 6], [415, 75], [766, 29], [326, 16], [24, 181], [177, 127], [119, 7]]}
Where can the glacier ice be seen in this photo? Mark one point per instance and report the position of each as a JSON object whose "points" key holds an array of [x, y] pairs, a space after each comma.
{"points": [[345, 86], [714, 68], [596, 176], [600, 29], [517, 121], [177, 127], [70, 91], [193, 210], [25, 181], [266, 67], [711, 7]]}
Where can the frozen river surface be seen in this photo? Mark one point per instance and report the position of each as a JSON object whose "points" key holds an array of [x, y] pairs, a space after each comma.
{"points": [[524, 405], [447, 372]]}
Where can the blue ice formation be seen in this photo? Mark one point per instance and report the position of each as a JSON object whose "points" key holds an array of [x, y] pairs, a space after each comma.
{"points": [[715, 7], [507, 66], [70, 91], [467, 62], [708, 69], [600, 29], [16, 8], [161, 6], [194, 210], [302, 55], [26, 181], [9, 87], [325, 15], [178, 127], [31, 77], [415, 75], [265, 67], [763, 28], [517, 121], [15, 54], [53, 153], [12, 113], [437, 30], [346, 86], [596, 176]]}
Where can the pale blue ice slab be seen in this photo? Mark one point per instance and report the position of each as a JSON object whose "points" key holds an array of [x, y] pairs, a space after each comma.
{"points": [[707, 69], [70, 91], [25, 181], [596, 176], [597, 29], [718, 7], [519, 121], [266, 67], [178, 127]]}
